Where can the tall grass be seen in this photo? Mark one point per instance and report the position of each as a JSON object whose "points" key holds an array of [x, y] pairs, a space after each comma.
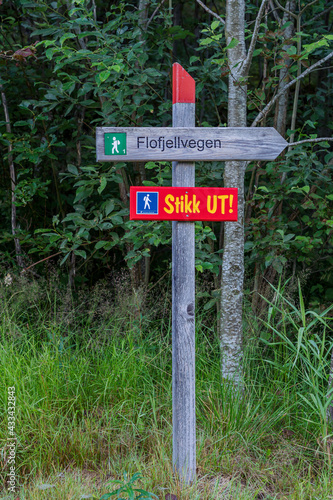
{"points": [[301, 346], [94, 397]]}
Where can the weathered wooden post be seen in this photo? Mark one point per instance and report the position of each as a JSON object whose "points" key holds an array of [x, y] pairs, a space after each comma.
{"points": [[183, 295]]}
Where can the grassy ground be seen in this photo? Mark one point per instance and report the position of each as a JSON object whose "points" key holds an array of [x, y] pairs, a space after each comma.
{"points": [[94, 399]]}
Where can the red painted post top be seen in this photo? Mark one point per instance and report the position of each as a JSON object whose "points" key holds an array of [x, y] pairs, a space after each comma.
{"points": [[183, 85]]}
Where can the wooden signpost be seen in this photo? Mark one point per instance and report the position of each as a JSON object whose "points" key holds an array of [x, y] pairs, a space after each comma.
{"points": [[183, 295], [182, 204]]}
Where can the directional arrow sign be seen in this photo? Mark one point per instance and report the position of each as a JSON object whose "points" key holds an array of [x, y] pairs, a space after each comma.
{"points": [[183, 203], [188, 144]]}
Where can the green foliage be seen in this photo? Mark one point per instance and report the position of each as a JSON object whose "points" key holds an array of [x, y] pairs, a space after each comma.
{"points": [[67, 68], [291, 221], [94, 393], [301, 345], [127, 488]]}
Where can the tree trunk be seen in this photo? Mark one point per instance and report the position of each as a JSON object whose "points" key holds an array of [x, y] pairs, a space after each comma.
{"points": [[143, 14], [231, 331], [139, 167], [18, 250], [282, 104]]}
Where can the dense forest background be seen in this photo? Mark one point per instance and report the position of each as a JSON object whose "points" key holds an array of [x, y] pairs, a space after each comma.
{"points": [[67, 67]]}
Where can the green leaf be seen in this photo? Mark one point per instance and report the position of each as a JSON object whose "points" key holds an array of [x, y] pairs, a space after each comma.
{"points": [[288, 237], [194, 59], [72, 169], [65, 37], [65, 258], [21, 123], [102, 185], [108, 206], [153, 72], [100, 244], [206, 41], [119, 100], [104, 75], [55, 237], [49, 52], [116, 68], [81, 253], [248, 245], [291, 50], [105, 226], [316, 45], [209, 304], [47, 43], [311, 124], [214, 25], [83, 193], [234, 42]]}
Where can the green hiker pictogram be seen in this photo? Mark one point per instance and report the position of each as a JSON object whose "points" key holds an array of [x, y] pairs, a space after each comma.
{"points": [[115, 144]]}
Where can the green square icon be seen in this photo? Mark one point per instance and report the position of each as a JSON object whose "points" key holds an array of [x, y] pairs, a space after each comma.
{"points": [[115, 144]]}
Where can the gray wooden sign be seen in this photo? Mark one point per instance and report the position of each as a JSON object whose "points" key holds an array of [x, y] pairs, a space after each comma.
{"points": [[188, 144]]}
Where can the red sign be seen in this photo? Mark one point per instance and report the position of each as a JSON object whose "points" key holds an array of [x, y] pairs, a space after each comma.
{"points": [[183, 203]]}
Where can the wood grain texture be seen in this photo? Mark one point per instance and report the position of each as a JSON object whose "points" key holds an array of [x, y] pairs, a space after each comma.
{"points": [[193, 144], [183, 319]]}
